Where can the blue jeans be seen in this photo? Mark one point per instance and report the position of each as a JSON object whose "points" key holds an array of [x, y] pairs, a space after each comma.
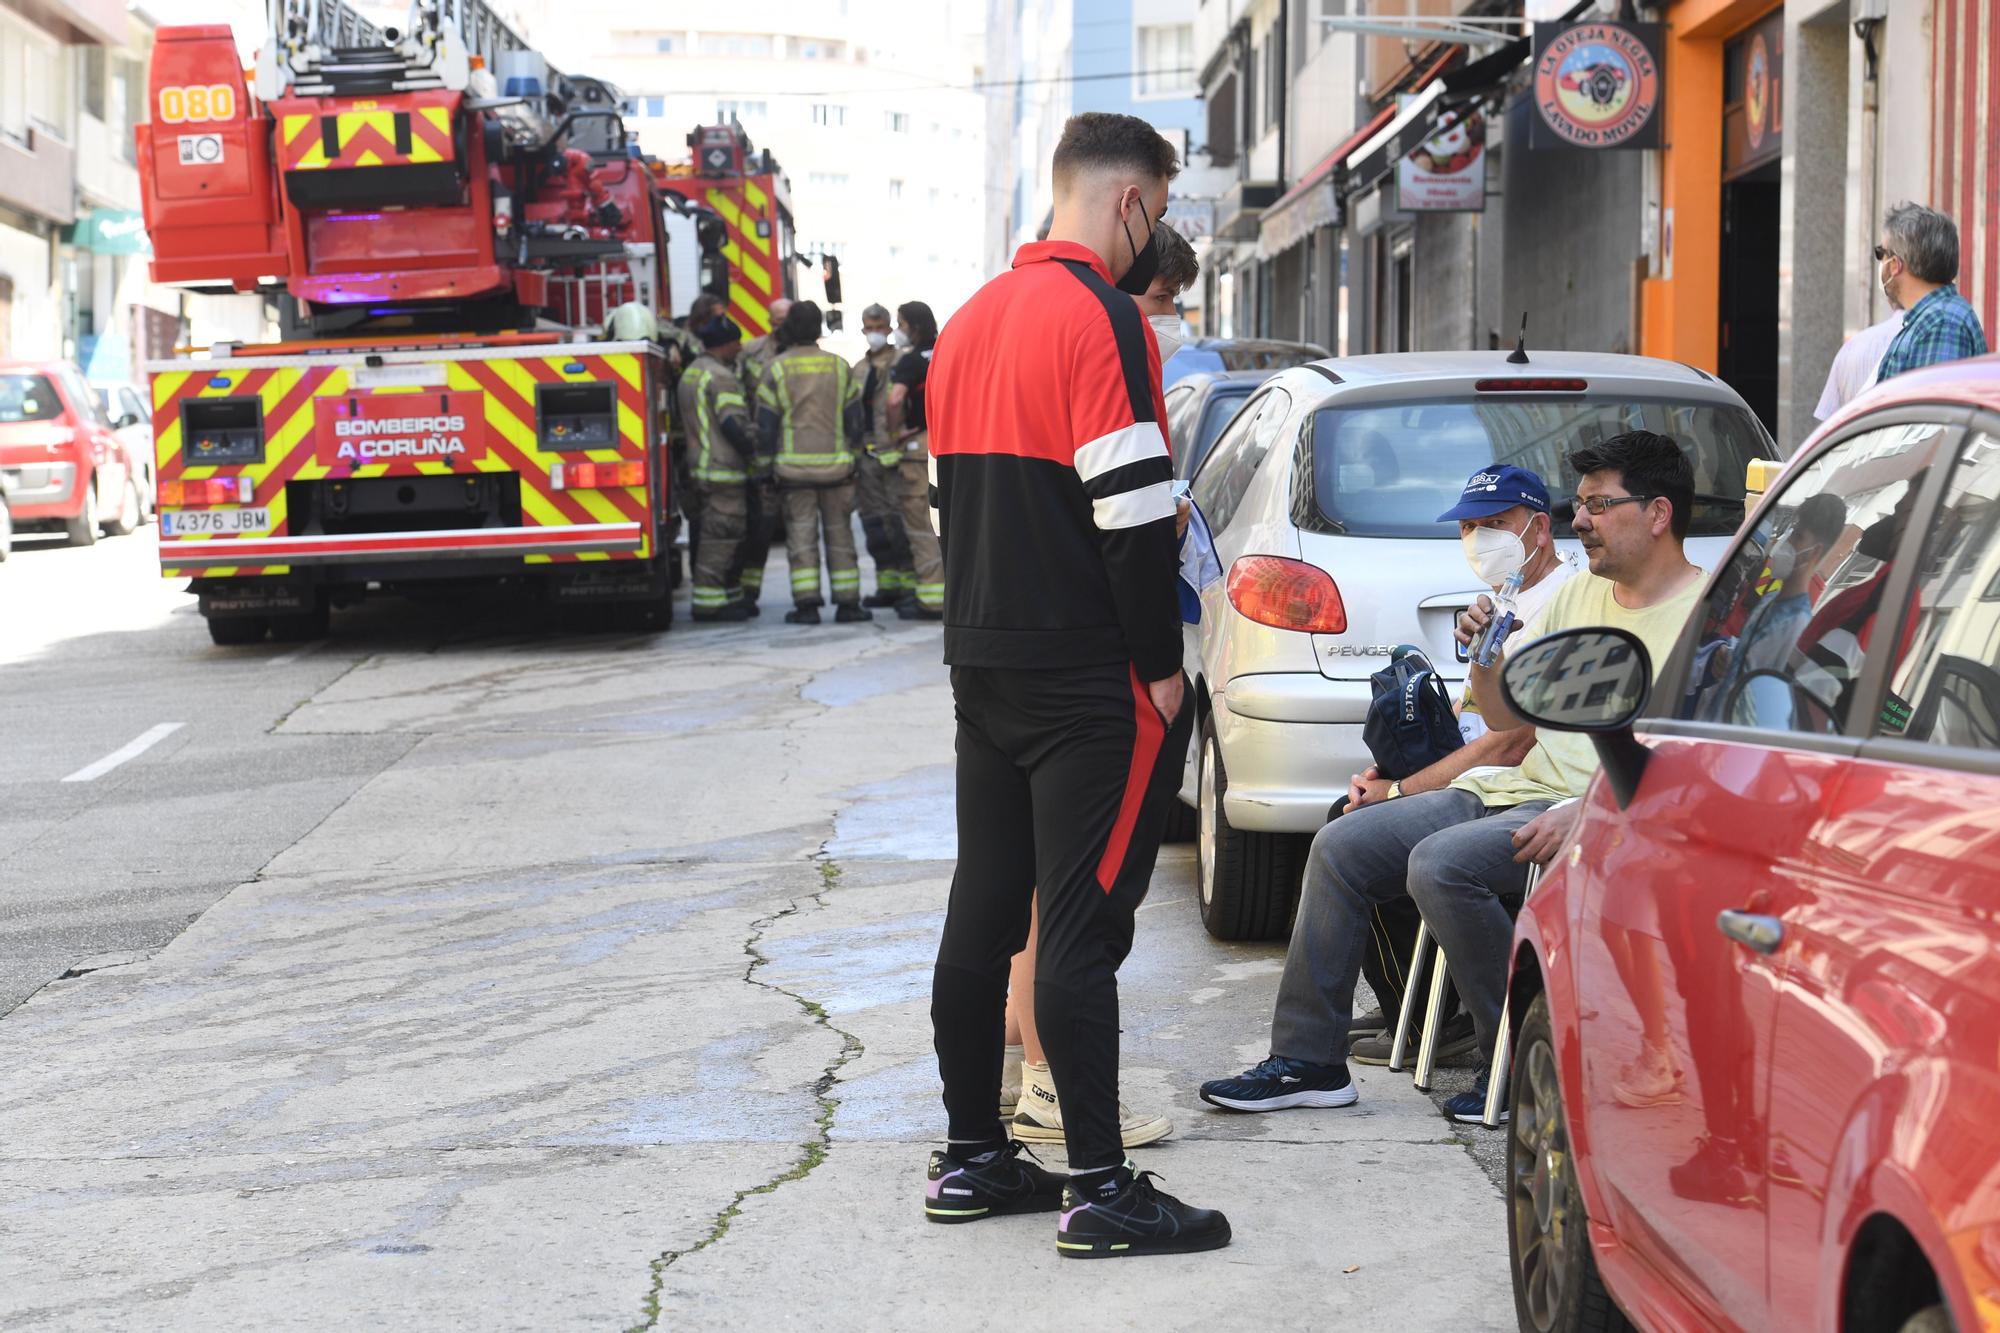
{"points": [[1452, 855]]}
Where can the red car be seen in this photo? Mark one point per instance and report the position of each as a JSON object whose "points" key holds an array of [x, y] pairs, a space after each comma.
{"points": [[1756, 1004], [67, 470]]}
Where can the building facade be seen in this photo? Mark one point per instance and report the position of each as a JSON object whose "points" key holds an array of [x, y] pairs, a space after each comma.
{"points": [[872, 108]]}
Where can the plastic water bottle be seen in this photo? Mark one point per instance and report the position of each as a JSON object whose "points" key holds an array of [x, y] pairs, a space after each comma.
{"points": [[1505, 617]]}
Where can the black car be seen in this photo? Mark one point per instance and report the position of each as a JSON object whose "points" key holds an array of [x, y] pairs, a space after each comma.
{"points": [[1199, 406]]}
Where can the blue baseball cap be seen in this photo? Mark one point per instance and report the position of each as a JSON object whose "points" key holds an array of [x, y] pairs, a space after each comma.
{"points": [[1495, 490]]}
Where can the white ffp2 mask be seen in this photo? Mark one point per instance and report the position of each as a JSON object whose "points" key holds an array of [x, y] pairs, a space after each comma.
{"points": [[1167, 331], [1494, 553]]}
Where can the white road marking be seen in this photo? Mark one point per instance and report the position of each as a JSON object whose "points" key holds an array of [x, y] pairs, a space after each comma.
{"points": [[286, 659], [131, 750]]}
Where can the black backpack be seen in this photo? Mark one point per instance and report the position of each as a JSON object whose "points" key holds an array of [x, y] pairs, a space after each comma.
{"points": [[1410, 724]]}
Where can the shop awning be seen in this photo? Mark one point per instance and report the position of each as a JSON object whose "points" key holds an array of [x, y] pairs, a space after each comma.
{"points": [[110, 231], [1312, 203]]}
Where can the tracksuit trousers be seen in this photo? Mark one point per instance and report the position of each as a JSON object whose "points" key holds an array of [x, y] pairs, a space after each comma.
{"points": [[1063, 781]]}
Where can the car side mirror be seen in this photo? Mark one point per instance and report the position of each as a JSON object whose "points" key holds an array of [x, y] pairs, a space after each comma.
{"points": [[124, 420], [1594, 681]]}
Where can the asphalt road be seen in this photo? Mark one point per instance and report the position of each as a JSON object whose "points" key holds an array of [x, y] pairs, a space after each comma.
{"points": [[97, 652]]}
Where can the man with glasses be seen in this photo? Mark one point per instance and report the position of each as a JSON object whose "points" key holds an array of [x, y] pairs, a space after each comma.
{"points": [[1919, 262], [1463, 852]]}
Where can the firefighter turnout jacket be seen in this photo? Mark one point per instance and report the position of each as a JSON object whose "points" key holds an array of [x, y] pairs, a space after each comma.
{"points": [[1054, 488], [873, 372], [808, 416], [721, 448]]}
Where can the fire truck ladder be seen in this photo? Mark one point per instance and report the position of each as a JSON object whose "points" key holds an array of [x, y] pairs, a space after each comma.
{"points": [[325, 48]]}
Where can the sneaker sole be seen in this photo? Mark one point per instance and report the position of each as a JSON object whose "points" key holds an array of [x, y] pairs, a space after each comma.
{"points": [[1032, 1131], [1125, 1249], [1316, 1097], [1478, 1118], [956, 1216]]}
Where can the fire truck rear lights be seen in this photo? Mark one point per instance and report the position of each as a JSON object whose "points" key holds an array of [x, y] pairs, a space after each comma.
{"points": [[1530, 386], [596, 476], [208, 491]]}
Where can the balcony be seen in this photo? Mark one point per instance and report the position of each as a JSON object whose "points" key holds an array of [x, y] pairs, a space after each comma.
{"points": [[39, 177]]}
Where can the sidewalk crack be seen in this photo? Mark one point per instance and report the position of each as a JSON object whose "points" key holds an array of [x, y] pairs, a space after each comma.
{"points": [[814, 1150]]}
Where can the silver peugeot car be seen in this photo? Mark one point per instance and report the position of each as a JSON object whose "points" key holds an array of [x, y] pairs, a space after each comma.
{"points": [[1323, 496]]}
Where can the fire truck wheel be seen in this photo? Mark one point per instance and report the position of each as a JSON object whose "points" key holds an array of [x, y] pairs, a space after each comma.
{"points": [[300, 628], [234, 631], [648, 617]]}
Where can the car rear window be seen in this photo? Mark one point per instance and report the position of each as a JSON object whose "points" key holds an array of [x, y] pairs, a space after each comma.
{"points": [[1267, 356], [1388, 470], [28, 398]]}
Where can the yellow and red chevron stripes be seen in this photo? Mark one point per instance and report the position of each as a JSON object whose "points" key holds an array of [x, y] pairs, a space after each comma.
{"points": [[408, 129], [756, 268], [506, 385]]}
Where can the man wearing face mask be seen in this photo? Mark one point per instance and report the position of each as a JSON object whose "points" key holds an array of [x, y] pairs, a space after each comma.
{"points": [[1776, 623], [916, 337], [1505, 525], [1177, 272], [877, 482], [1054, 499]]}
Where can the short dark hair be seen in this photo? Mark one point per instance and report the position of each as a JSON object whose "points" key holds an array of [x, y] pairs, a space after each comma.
{"points": [[1101, 140], [1647, 463], [706, 307], [802, 324], [1925, 240], [1177, 262], [923, 324], [1823, 516]]}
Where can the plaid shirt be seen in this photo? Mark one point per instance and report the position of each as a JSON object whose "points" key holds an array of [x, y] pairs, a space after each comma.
{"points": [[1941, 327]]}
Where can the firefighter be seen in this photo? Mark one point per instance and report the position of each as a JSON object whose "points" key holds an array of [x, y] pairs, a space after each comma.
{"points": [[721, 449], [808, 421], [916, 335], [877, 479], [759, 351], [683, 347]]}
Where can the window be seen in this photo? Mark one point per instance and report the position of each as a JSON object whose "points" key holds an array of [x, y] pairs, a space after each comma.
{"points": [[739, 44], [895, 188], [1388, 470], [1166, 60], [829, 113], [827, 180], [656, 107], [28, 398], [1945, 688], [94, 80], [735, 110], [1224, 479], [670, 44], [1790, 621], [1220, 410], [808, 48], [897, 121]]}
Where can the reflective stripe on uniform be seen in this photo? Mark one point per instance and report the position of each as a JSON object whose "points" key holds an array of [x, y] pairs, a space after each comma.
{"points": [[775, 390]]}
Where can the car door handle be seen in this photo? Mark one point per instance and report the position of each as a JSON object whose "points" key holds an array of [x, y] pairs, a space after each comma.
{"points": [[1762, 933]]}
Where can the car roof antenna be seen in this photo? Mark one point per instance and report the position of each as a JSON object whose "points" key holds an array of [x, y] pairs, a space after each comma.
{"points": [[1519, 356]]}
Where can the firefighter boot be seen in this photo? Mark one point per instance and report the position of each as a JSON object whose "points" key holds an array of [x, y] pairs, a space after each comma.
{"points": [[805, 613], [849, 613]]}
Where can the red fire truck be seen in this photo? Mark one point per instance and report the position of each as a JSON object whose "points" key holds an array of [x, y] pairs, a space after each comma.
{"points": [[750, 202], [449, 225]]}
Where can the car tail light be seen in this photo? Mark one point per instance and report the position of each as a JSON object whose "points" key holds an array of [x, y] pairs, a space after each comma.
{"points": [[1530, 386], [209, 491], [596, 476], [1286, 594]]}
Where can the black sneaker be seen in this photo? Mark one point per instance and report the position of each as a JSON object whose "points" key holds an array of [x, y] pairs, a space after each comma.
{"points": [[967, 1191], [1469, 1108], [1279, 1084], [849, 613], [802, 615], [1455, 1038], [1137, 1219], [1369, 1024]]}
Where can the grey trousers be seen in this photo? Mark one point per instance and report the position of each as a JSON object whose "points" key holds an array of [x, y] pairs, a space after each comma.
{"points": [[1444, 849]]}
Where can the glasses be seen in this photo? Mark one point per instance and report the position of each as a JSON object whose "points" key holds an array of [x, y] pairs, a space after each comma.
{"points": [[1597, 504], [1883, 252]]}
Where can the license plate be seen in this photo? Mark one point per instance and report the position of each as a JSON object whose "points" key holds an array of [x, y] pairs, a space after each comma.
{"points": [[213, 522]]}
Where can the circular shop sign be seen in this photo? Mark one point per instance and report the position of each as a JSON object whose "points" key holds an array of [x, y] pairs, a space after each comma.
{"points": [[1756, 87], [1596, 85]]}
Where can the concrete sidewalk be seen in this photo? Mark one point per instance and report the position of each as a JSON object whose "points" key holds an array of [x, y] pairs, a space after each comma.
{"points": [[607, 1006]]}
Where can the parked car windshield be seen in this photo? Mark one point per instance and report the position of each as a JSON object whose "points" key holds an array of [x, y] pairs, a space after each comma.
{"points": [[28, 398], [1389, 470]]}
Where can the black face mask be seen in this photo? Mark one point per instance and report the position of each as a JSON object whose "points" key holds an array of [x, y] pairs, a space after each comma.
{"points": [[1145, 263]]}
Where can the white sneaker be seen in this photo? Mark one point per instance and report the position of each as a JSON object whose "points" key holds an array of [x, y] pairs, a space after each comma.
{"points": [[1039, 1118], [1010, 1081]]}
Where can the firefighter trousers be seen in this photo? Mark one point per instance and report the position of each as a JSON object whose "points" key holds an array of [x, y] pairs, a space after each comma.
{"points": [[926, 559], [719, 540], [878, 495], [813, 513], [1063, 781]]}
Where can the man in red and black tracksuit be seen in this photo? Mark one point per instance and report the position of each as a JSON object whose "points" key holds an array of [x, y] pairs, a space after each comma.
{"points": [[1053, 498]]}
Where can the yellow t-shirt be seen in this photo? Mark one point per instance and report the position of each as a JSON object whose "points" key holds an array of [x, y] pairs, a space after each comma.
{"points": [[1563, 762]]}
